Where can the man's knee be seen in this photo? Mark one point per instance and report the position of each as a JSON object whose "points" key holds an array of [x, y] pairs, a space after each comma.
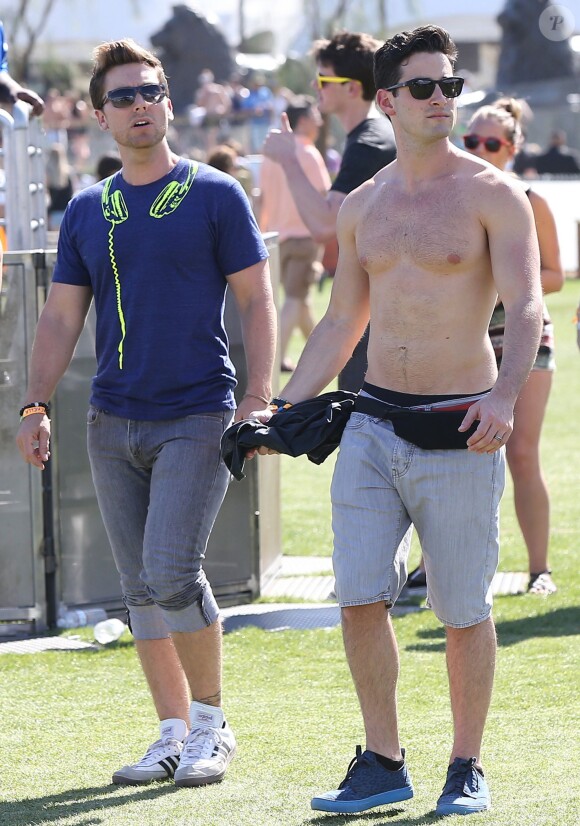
{"points": [[353, 615], [485, 624], [171, 595], [191, 610]]}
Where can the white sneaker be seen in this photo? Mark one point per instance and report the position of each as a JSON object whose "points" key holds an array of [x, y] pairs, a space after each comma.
{"points": [[161, 758], [208, 749]]}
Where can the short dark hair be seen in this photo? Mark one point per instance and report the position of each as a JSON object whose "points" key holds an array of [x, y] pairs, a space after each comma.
{"points": [[224, 158], [119, 53], [351, 55], [300, 106], [107, 165], [389, 58]]}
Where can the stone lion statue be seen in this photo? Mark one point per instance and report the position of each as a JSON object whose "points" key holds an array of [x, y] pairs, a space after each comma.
{"points": [[186, 45], [526, 54]]}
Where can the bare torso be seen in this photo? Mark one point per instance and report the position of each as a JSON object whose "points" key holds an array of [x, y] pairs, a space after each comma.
{"points": [[430, 282], [214, 99]]}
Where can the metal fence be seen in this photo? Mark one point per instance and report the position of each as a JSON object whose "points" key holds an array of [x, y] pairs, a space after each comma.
{"points": [[23, 187], [54, 552]]}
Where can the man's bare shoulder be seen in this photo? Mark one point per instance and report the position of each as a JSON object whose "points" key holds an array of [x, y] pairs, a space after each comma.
{"points": [[484, 179], [368, 189], [356, 202]]}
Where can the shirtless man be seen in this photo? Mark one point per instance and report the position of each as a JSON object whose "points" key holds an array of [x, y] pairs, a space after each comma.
{"points": [[214, 99], [425, 246]]}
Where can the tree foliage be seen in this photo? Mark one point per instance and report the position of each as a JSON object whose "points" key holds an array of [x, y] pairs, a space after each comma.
{"points": [[26, 30]]}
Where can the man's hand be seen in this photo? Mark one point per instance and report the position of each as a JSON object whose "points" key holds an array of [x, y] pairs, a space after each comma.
{"points": [[496, 422], [33, 439], [246, 411], [280, 144]]}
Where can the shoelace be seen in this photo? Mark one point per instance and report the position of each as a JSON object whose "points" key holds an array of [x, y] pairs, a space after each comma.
{"points": [[352, 767], [157, 746], [199, 743], [457, 780]]}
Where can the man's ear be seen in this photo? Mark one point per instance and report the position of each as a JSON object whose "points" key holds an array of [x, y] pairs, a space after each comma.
{"points": [[384, 101], [170, 107], [101, 120]]}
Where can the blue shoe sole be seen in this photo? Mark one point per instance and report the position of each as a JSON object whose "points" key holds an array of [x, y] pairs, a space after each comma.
{"points": [[459, 809], [322, 804]]}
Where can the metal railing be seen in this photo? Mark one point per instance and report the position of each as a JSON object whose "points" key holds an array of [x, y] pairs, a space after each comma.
{"points": [[54, 552], [24, 186]]}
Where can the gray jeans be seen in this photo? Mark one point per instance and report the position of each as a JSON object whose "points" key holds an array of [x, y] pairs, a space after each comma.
{"points": [[159, 487]]}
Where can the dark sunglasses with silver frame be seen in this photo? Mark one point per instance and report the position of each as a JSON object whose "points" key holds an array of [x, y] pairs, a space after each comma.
{"points": [[421, 88], [125, 96]]}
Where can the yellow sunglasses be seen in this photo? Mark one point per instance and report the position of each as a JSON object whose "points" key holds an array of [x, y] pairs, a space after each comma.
{"points": [[322, 79]]}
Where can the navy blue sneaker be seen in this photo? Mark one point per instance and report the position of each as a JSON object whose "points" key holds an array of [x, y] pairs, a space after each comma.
{"points": [[367, 784], [465, 790]]}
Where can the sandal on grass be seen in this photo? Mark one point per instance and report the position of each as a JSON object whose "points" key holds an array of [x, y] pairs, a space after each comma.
{"points": [[542, 584]]}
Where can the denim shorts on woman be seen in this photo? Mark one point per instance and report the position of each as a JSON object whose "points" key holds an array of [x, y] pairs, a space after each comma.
{"points": [[382, 486], [159, 487]]}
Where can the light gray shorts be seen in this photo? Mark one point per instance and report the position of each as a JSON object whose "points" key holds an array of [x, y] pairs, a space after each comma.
{"points": [[382, 486]]}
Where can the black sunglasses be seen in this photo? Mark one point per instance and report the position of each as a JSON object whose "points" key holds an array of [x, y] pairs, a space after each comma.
{"points": [[125, 96], [491, 144], [422, 88]]}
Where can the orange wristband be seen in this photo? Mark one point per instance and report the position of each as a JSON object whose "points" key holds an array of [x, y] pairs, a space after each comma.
{"points": [[29, 411]]}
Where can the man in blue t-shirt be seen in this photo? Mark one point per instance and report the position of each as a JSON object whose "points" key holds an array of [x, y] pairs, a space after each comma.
{"points": [[155, 246]]}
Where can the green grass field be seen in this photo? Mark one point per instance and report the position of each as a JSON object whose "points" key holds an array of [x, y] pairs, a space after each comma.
{"points": [[69, 719]]}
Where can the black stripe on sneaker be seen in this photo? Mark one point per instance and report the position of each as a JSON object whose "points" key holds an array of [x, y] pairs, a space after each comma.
{"points": [[167, 767]]}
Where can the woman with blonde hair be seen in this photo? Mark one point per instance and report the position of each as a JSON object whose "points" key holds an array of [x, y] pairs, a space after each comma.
{"points": [[495, 135]]}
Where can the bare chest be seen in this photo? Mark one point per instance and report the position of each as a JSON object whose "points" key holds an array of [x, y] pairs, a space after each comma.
{"points": [[436, 231]]}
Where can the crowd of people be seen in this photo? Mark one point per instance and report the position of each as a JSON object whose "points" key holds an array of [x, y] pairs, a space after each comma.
{"points": [[238, 113], [433, 242], [557, 159]]}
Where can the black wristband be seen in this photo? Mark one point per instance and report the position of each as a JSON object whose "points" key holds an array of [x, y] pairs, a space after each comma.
{"points": [[44, 406]]}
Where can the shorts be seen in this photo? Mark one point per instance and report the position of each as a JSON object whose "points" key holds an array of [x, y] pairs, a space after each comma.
{"points": [[159, 487], [545, 358], [299, 266], [382, 486]]}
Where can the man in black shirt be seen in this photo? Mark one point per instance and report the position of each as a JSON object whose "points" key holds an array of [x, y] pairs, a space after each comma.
{"points": [[346, 89], [558, 159]]}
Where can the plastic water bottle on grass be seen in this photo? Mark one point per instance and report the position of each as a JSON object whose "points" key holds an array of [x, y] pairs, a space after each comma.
{"points": [[109, 630], [78, 617]]}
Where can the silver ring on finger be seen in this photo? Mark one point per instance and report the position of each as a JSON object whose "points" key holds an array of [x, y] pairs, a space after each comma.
{"points": [[498, 438]]}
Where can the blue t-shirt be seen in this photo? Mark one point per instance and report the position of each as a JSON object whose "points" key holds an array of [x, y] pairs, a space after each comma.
{"points": [[157, 258], [261, 100], [3, 50]]}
